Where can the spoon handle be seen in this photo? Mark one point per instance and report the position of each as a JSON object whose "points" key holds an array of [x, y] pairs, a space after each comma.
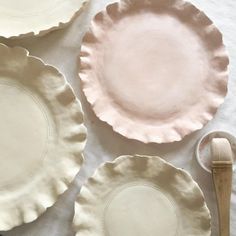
{"points": [[222, 178]]}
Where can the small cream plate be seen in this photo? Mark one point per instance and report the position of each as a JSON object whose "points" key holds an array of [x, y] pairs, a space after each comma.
{"points": [[141, 195], [33, 17], [42, 136]]}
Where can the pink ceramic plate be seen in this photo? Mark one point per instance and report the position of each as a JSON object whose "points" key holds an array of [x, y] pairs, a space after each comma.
{"points": [[154, 70]]}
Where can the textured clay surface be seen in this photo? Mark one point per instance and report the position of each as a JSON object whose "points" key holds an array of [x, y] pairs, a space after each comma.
{"points": [[42, 136], [154, 70], [141, 195], [32, 17]]}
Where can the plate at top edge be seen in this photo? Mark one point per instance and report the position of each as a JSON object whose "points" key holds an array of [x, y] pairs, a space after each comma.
{"points": [[141, 195], [32, 17], [154, 70], [42, 136]]}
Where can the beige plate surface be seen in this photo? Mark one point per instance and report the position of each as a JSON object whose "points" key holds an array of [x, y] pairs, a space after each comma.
{"points": [[155, 70], [141, 195], [42, 136], [33, 17]]}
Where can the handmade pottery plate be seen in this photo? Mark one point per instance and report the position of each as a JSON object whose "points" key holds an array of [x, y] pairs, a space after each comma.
{"points": [[203, 148], [42, 136], [32, 17], [155, 70], [141, 195]]}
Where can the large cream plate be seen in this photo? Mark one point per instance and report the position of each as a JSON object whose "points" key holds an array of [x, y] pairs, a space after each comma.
{"points": [[41, 136], [155, 70], [141, 195], [36, 17]]}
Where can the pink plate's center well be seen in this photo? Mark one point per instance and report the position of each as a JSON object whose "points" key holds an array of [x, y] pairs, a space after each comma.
{"points": [[155, 70]]}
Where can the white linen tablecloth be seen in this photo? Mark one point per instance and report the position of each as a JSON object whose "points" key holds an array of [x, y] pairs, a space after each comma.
{"points": [[61, 48]]}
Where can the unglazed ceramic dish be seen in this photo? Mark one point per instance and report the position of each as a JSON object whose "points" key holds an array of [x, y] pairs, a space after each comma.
{"points": [[41, 139], [32, 17], [141, 195], [155, 70], [203, 148]]}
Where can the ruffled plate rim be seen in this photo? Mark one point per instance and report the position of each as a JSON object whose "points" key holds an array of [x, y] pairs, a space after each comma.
{"points": [[105, 113], [43, 31], [85, 220], [42, 193]]}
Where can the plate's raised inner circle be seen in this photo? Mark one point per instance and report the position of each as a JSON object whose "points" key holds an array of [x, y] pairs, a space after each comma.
{"points": [[146, 67], [140, 210], [24, 134]]}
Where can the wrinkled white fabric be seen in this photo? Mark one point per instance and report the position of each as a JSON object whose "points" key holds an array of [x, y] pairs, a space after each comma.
{"points": [[61, 49]]}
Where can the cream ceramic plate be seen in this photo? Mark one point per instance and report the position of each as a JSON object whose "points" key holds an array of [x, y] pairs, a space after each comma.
{"points": [[141, 195], [42, 136], [29, 17], [155, 70]]}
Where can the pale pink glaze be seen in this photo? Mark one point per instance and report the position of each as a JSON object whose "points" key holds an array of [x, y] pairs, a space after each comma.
{"points": [[154, 70]]}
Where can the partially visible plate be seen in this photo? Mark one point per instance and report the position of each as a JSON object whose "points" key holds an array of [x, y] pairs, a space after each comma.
{"points": [[155, 70], [41, 139], [32, 17], [141, 195]]}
